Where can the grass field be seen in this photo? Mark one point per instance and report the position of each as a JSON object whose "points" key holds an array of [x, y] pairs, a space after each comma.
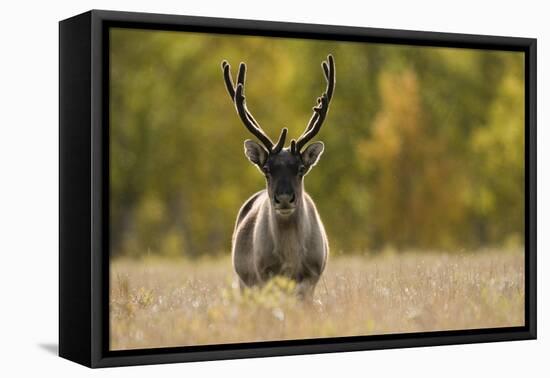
{"points": [[162, 303]]}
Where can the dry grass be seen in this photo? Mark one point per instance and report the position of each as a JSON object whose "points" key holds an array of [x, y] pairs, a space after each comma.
{"points": [[160, 303]]}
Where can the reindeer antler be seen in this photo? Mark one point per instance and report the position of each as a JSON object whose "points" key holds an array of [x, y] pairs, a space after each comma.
{"points": [[237, 95], [319, 111]]}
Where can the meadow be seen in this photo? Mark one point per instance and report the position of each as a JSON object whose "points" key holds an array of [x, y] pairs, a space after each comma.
{"points": [[157, 302]]}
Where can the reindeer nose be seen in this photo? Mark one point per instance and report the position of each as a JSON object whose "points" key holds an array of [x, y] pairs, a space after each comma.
{"points": [[285, 200]]}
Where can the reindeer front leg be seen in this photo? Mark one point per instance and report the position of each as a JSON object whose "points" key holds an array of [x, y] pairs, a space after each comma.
{"points": [[305, 290], [267, 266], [306, 285], [312, 268]]}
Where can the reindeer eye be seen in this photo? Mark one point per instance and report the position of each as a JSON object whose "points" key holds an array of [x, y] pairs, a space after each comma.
{"points": [[301, 170], [266, 170]]}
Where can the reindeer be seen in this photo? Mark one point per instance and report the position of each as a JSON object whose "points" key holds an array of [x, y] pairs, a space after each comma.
{"points": [[278, 230]]}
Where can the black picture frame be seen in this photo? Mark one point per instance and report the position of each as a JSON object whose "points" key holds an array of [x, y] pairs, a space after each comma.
{"points": [[84, 192]]}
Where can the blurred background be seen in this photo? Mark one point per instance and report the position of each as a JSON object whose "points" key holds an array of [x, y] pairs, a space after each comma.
{"points": [[424, 147]]}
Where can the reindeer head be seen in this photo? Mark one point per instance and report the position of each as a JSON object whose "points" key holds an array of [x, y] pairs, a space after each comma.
{"points": [[284, 168]]}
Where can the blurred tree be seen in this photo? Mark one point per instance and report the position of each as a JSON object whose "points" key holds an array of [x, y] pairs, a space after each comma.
{"points": [[498, 189], [424, 145], [414, 187]]}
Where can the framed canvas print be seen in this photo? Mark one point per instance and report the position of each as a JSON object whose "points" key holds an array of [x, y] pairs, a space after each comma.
{"points": [[234, 188]]}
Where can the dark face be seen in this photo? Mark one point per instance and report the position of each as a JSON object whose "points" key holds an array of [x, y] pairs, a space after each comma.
{"points": [[284, 172]]}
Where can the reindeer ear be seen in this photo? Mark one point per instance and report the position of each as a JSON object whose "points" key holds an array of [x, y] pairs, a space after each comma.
{"points": [[255, 153], [312, 153]]}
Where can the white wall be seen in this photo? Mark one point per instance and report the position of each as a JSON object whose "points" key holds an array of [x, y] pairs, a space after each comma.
{"points": [[28, 199]]}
